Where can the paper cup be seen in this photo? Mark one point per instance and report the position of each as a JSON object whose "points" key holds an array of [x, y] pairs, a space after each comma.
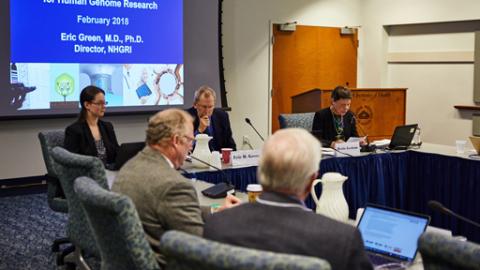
{"points": [[460, 144], [226, 155], [253, 191]]}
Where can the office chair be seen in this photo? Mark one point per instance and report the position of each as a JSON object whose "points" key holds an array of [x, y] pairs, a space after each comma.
{"points": [[116, 227], [68, 167], [55, 197], [185, 251], [296, 120], [441, 252]]}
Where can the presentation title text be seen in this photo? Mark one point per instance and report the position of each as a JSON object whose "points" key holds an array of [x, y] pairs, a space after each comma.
{"points": [[152, 5]]}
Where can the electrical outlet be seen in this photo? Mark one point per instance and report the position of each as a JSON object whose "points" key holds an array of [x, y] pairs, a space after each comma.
{"points": [[245, 139], [246, 142]]}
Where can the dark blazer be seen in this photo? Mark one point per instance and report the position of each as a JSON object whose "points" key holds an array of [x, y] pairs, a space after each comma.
{"points": [[222, 132], [79, 139], [324, 129], [291, 229]]}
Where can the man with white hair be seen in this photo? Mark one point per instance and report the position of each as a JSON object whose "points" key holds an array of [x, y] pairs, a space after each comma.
{"points": [[279, 221]]}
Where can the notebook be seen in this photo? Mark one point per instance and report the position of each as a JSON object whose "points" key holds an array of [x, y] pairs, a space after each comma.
{"points": [[126, 152], [143, 90], [391, 235], [402, 137]]}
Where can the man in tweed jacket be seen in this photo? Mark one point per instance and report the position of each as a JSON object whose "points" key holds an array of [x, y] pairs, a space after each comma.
{"points": [[164, 199]]}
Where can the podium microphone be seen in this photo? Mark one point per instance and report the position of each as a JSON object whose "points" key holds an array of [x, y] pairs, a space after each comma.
{"points": [[365, 148], [219, 190], [437, 206], [250, 123], [357, 124]]}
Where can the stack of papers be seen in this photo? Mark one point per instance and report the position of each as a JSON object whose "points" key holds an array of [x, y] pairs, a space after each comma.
{"points": [[381, 143], [328, 151]]}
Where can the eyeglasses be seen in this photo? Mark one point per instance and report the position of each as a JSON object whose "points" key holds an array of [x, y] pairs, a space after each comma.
{"points": [[189, 139], [206, 107], [100, 103]]}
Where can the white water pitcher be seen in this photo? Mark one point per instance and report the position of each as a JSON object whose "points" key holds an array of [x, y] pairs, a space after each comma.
{"points": [[201, 151], [332, 201]]}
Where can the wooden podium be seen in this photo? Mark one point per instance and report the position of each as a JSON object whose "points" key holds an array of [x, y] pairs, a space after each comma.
{"points": [[378, 110]]}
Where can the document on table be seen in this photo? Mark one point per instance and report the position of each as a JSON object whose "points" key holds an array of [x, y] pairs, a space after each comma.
{"points": [[328, 151], [356, 139]]}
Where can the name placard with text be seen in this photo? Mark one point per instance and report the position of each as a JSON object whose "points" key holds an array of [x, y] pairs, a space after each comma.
{"points": [[348, 148], [245, 157]]}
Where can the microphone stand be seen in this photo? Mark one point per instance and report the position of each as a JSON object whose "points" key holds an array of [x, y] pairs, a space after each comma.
{"points": [[437, 206], [340, 152], [219, 190], [365, 148], [354, 117], [250, 123]]}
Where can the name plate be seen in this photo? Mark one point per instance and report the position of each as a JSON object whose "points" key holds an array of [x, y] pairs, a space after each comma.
{"points": [[348, 148], [245, 157]]}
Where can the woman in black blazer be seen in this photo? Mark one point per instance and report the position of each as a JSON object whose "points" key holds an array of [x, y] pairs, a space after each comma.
{"points": [[89, 135]]}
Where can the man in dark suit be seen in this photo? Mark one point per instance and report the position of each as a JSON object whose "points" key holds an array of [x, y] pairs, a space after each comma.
{"points": [[210, 120], [279, 221]]}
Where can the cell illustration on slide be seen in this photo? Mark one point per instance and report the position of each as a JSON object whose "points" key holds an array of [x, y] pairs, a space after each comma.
{"points": [[64, 85]]}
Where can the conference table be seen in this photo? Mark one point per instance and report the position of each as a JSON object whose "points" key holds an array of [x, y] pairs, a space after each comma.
{"points": [[197, 184], [400, 179]]}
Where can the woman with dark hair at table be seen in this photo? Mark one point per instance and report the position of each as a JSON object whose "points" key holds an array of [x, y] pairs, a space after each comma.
{"points": [[89, 135], [336, 123]]}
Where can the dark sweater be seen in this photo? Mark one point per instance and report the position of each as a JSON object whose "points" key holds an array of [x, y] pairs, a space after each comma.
{"points": [[324, 128]]}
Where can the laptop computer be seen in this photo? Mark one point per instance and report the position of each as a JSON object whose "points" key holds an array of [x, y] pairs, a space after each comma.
{"points": [[402, 137], [126, 152], [390, 235]]}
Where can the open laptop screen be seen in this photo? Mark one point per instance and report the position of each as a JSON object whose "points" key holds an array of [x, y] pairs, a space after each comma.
{"points": [[402, 136], [391, 232]]}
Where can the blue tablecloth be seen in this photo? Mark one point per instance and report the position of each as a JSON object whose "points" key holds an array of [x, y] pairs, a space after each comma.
{"points": [[404, 180]]}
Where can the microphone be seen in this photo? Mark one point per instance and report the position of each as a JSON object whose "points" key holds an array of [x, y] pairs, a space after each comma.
{"points": [[354, 117], [363, 148], [219, 190], [437, 206], [250, 123]]}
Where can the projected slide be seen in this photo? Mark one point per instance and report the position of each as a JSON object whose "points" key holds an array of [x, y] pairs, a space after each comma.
{"points": [[131, 49]]}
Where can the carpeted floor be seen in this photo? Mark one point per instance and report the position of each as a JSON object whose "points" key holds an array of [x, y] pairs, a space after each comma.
{"points": [[27, 229]]}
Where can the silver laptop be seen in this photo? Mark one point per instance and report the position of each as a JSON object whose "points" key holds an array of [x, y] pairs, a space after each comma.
{"points": [[391, 235]]}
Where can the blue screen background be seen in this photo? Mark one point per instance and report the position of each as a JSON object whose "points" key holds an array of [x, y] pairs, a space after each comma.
{"points": [[36, 27]]}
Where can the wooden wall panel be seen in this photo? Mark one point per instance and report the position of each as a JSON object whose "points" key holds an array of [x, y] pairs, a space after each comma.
{"points": [[311, 57], [378, 110]]}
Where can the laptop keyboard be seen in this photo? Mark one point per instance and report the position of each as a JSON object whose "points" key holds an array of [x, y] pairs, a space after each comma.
{"points": [[379, 260]]}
